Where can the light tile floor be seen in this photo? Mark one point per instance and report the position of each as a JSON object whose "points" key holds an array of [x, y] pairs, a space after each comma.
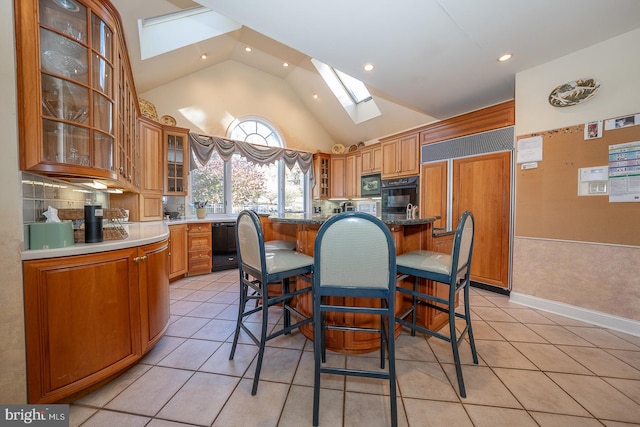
{"points": [[536, 369]]}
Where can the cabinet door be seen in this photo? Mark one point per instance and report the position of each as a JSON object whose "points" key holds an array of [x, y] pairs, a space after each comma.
{"points": [[408, 155], [376, 158], [154, 292], [177, 250], [433, 192], [176, 165], [353, 170], [151, 151], [482, 185], [371, 159], [322, 172], [390, 159], [337, 176], [150, 142], [82, 321], [66, 88]]}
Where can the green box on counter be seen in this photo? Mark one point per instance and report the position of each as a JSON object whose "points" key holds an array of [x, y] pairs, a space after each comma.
{"points": [[50, 235]]}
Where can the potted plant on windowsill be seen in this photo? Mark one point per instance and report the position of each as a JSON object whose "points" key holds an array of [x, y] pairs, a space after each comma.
{"points": [[200, 205]]}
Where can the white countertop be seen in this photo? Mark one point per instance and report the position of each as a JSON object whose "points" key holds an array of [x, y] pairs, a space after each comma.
{"points": [[140, 233]]}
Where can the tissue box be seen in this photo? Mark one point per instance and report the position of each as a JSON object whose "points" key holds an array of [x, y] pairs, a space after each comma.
{"points": [[50, 235]]}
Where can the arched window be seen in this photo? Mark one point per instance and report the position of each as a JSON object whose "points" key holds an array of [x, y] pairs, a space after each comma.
{"points": [[264, 188]]}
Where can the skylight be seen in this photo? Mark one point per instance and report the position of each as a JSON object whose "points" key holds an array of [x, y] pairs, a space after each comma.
{"points": [[354, 87], [350, 92], [162, 34]]}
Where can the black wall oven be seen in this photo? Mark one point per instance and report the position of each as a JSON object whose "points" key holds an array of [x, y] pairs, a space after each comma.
{"points": [[397, 193]]}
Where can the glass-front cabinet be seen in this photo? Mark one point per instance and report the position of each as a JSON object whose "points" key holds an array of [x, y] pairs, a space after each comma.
{"points": [[176, 161], [66, 87]]}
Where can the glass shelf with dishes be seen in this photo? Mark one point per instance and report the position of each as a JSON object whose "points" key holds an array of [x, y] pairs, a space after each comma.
{"points": [[175, 156], [73, 78]]}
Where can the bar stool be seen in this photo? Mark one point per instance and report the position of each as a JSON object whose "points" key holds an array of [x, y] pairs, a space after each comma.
{"points": [[258, 269], [354, 259], [451, 269]]}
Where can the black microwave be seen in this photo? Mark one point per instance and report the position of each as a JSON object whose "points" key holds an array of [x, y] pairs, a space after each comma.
{"points": [[370, 185]]}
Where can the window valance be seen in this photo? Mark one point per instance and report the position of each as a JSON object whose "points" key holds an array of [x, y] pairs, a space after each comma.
{"points": [[202, 147]]}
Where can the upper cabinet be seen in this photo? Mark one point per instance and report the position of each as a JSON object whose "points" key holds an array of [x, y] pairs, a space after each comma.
{"points": [[68, 53], [322, 175], [371, 159], [400, 156], [338, 166], [352, 172], [150, 142], [176, 161]]}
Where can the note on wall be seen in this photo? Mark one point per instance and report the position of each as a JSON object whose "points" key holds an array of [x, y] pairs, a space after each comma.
{"points": [[624, 172], [529, 149]]}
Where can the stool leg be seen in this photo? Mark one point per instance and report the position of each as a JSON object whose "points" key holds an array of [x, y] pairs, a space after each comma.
{"points": [[454, 346], [263, 336], [244, 290], [414, 304], [285, 303], [467, 318]]}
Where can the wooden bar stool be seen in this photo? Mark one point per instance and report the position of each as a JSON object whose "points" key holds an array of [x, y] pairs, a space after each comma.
{"points": [[258, 269], [354, 259], [451, 269]]}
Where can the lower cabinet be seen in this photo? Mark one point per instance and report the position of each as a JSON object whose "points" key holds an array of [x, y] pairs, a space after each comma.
{"points": [[177, 250], [199, 248], [88, 317]]}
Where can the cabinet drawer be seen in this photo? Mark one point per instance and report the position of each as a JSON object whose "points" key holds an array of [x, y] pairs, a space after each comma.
{"points": [[199, 242], [199, 260], [199, 227]]}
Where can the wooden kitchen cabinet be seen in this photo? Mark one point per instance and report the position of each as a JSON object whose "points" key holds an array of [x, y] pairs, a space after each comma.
{"points": [[151, 182], [199, 248], [145, 204], [66, 59], [176, 161], [153, 278], [322, 175], [178, 244], [337, 176], [482, 185], [353, 170], [88, 317], [371, 159], [401, 156], [433, 192]]}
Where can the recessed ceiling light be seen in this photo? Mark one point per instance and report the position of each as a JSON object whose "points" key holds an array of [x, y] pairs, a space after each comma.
{"points": [[286, 64], [368, 67], [505, 57], [203, 56], [248, 49], [315, 96]]}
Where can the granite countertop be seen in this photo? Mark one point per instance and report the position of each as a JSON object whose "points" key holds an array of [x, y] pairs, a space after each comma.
{"points": [[320, 219], [208, 218]]}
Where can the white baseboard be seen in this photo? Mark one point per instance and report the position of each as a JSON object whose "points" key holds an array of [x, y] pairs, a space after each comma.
{"points": [[628, 326]]}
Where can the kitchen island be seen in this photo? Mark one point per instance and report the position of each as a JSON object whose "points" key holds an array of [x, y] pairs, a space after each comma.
{"points": [[408, 235]]}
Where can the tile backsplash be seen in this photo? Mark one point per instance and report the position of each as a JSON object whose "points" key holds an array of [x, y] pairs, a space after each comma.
{"points": [[38, 193]]}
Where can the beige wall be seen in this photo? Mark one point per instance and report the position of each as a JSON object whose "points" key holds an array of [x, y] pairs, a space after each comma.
{"points": [[12, 348], [209, 100], [587, 275]]}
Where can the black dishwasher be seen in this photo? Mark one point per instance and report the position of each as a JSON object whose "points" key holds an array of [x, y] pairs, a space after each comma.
{"points": [[223, 246]]}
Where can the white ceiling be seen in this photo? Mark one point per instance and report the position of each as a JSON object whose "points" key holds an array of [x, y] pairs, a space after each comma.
{"points": [[433, 59]]}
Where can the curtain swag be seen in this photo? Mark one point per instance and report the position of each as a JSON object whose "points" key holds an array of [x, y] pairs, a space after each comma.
{"points": [[202, 147]]}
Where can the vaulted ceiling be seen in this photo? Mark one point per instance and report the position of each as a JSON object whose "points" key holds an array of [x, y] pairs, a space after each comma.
{"points": [[433, 59]]}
